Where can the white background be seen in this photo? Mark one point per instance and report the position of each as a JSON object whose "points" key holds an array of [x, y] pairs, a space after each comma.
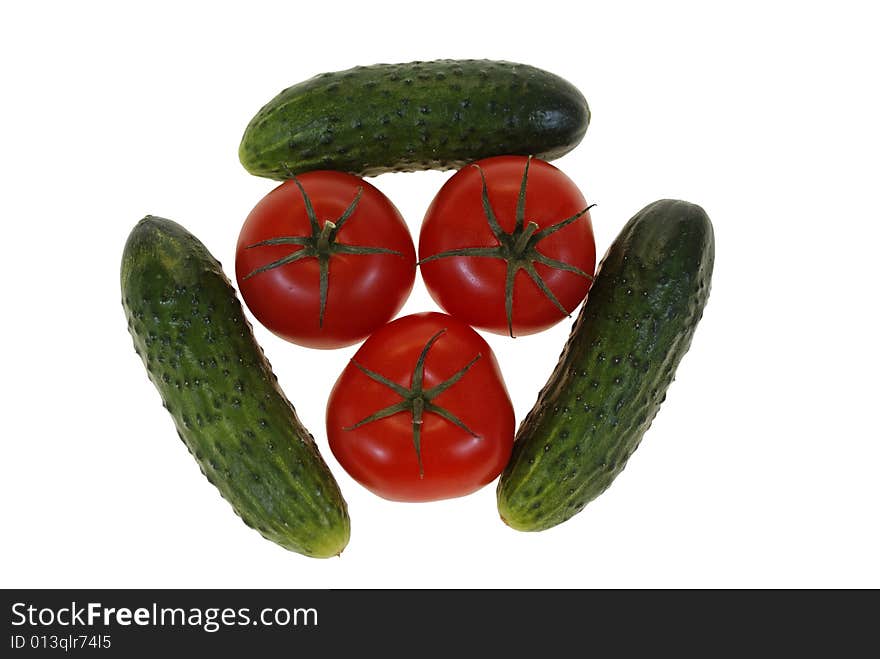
{"points": [[760, 470]]}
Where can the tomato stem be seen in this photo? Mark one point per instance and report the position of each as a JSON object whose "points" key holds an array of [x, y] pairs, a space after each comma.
{"points": [[522, 240], [325, 238]]}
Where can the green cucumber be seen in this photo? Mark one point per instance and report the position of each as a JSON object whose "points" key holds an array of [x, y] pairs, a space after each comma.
{"points": [[200, 353], [421, 115], [622, 354]]}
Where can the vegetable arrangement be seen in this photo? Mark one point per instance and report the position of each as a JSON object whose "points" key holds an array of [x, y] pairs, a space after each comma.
{"points": [[325, 260]]}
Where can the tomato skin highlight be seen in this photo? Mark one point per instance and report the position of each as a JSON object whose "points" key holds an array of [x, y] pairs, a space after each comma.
{"points": [[364, 290], [380, 454], [473, 288]]}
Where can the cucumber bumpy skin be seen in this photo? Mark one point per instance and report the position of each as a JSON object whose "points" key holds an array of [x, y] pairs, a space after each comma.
{"points": [[188, 328], [637, 323], [421, 115]]}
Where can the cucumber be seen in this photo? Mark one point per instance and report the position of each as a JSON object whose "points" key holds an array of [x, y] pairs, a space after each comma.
{"points": [[621, 356], [188, 328], [421, 115]]}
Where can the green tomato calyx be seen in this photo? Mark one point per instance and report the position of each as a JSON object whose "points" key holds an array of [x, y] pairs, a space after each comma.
{"points": [[416, 399]]}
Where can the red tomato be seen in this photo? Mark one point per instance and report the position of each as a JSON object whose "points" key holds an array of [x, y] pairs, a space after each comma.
{"points": [[507, 245], [324, 259], [421, 411]]}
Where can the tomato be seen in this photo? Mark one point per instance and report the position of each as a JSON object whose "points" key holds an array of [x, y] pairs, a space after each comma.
{"points": [[507, 245], [324, 259], [421, 411]]}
